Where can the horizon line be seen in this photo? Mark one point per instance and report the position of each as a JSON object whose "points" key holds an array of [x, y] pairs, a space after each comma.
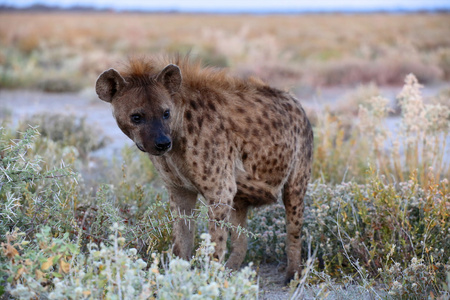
{"points": [[223, 10]]}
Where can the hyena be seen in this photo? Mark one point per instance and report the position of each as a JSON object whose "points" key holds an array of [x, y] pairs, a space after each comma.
{"points": [[237, 142]]}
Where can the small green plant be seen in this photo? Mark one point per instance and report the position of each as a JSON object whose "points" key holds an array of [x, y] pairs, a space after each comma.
{"points": [[270, 226]]}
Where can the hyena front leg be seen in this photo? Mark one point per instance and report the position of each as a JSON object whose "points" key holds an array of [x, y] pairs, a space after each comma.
{"points": [[182, 203], [219, 212]]}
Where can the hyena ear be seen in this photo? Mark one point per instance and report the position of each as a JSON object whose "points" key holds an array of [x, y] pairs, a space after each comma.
{"points": [[171, 78], [109, 84]]}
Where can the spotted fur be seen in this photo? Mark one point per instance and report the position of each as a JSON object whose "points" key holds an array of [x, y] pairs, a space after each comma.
{"points": [[237, 142]]}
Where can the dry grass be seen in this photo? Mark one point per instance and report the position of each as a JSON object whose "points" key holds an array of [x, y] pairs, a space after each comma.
{"points": [[285, 50]]}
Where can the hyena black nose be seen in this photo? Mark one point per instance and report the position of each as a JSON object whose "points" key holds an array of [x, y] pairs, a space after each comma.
{"points": [[163, 143]]}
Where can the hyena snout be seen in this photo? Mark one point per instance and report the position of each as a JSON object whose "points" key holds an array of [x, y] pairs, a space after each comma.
{"points": [[163, 143]]}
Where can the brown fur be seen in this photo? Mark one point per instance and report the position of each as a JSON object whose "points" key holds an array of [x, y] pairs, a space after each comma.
{"points": [[238, 143]]}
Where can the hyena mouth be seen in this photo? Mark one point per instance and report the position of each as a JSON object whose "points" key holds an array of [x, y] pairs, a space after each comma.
{"points": [[140, 147]]}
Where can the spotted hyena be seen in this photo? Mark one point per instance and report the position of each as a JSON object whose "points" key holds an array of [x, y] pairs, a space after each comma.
{"points": [[237, 142]]}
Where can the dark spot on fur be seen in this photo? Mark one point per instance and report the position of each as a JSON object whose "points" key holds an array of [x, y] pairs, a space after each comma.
{"points": [[308, 151], [193, 104], [188, 115], [200, 122], [233, 125], [259, 120], [244, 156], [190, 129], [211, 106], [183, 141], [240, 110], [274, 124]]}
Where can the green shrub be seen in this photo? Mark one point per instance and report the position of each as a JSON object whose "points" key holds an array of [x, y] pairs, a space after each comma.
{"points": [[26, 187], [374, 229], [34, 193], [54, 268]]}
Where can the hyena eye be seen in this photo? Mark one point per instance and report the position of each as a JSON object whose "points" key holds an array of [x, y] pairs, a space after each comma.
{"points": [[166, 114], [136, 118]]}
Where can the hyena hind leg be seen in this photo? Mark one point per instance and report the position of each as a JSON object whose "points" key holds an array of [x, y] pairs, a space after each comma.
{"points": [[293, 196], [238, 240]]}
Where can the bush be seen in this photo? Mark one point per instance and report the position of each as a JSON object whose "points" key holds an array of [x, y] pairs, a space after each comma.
{"points": [[377, 229], [76, 243], [55, 268], [34, 193], [342, 149], [26, 188]]}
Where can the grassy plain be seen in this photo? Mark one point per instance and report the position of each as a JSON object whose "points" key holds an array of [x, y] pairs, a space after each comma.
{"points": [[377, 216], [65, 51]]}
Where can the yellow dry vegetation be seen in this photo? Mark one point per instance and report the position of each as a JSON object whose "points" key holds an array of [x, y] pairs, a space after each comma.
{"points": [[315, 49]]}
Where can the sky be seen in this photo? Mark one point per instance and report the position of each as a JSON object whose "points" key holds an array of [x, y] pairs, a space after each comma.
{"points": [[242, 5]]}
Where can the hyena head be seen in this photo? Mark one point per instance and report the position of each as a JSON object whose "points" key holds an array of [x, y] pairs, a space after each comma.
{"points": [[143, 106]]}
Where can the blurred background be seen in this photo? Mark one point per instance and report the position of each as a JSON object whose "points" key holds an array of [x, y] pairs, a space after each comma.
{"points": [[330, 54], [62, 46]]}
